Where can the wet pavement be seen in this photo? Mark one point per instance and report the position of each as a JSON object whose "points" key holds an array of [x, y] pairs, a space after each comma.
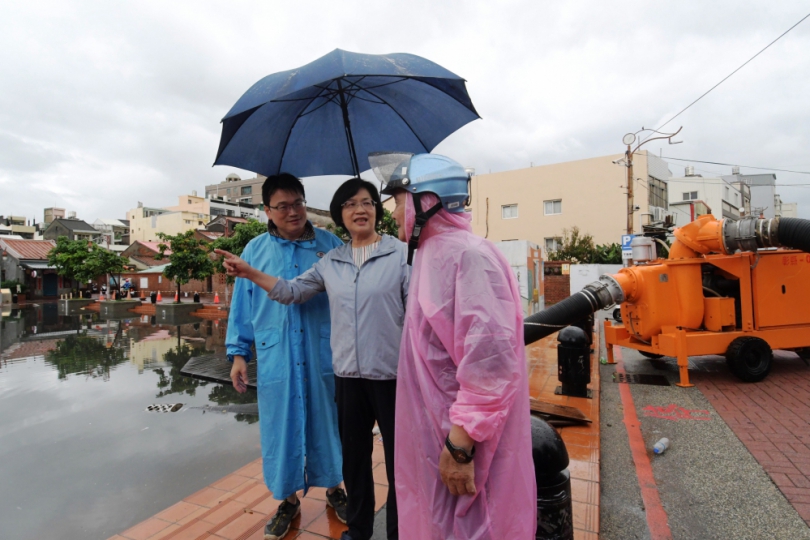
{"points": [[238, 505], [708, 484], [80, 457]]}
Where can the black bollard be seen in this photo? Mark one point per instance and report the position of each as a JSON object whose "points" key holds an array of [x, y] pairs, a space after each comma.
{"points": [[196, 298], [14, 298], [586, 324], [153, 297], [573, 362], [554, 508]]}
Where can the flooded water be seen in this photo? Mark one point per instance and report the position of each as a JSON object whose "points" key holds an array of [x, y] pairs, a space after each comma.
{"points": [[80, 456]]}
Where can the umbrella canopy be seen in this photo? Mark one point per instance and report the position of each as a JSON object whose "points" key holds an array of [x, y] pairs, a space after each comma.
{"points": [[327, 116]]}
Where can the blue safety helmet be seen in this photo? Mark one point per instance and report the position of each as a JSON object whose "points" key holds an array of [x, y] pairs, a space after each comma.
{"points": [[418, 174], [423, 173]]}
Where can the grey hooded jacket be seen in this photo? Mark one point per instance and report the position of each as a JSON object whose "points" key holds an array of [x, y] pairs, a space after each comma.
{"points": [[367, 305]]}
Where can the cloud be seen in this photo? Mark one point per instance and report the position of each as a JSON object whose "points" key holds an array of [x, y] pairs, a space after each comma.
{"points": [[107, 104]]}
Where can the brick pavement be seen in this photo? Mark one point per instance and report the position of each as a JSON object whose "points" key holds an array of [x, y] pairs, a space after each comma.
{"points": [[771, 418]]}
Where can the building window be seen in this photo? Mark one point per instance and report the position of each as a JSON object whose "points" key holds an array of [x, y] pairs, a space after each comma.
{"points": [[247, 190], [188, 222], [189, 201], [657, 193], [690, 196], [509, 211], [552, 207], [553, 244]]}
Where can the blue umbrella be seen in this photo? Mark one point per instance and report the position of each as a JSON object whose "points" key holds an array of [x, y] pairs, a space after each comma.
{"points": [[327, 116]]}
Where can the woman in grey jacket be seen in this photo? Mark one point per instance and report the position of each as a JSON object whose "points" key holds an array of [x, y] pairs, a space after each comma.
{"points": [[367, 284]]}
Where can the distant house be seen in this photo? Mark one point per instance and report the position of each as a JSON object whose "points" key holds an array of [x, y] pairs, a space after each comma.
{"points": [[225, 225], [207, 236], [73, 229], [113, 231], [27, 261], [142, 254]]}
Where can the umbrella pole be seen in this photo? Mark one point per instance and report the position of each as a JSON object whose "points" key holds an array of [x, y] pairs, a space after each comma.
{"points": [[344, 106]]}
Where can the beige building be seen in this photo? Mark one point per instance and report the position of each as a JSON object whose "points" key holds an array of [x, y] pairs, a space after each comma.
{"points": [[53, 213], [234, 189], [146, 222], [539, 203]]}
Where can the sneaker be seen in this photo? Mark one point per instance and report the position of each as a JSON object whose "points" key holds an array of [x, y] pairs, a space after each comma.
{"points": [[337, 500], [345, 536], [277, 527]]}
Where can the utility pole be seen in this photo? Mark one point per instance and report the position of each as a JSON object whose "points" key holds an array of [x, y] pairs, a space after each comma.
{"points": [[630, 200], [629, 139]]}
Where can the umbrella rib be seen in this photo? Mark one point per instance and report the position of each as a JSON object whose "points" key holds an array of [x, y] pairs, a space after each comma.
{"points": [[418, 138]]}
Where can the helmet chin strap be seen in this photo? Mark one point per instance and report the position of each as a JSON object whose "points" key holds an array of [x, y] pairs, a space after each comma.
{"points": [[421, 221]]}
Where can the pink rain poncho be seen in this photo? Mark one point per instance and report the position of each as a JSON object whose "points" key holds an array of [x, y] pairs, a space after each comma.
{"points": [[462, 361]]}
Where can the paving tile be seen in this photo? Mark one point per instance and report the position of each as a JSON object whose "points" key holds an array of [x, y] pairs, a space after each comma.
{"points": [[317, 493], [232, 482], [380, 496], [145, 529], [251, 469], [192, 531], [311, 509], [266, 506], [165, 533], [195, 515], [379, 474], [241, 526], [253, 492], [178, 511], [208, 497], [223, 512], [327, 524]]}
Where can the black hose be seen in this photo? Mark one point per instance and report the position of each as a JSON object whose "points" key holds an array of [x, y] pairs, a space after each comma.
{"points": [[794, 233], [546, 322]]}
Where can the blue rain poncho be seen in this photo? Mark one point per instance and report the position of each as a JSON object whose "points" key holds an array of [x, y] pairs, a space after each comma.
{"points": [[296, 385]]}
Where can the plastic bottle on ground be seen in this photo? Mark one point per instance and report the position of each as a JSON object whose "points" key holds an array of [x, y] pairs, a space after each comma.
{"points": [[661, 446]]}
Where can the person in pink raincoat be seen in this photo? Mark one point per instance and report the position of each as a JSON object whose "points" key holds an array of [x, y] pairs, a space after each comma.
{"points": [[463, 454]]}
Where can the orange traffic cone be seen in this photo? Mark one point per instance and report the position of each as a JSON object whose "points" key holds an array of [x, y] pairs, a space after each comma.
{"points": [[142, 296], [159, 297], [176, 297], [216, 298]]}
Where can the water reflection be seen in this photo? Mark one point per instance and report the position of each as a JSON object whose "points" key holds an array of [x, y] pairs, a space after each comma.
{"points": [[87, 345], [73, 393]]}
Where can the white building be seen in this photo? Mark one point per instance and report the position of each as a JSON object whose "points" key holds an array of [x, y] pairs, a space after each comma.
{"points": [[720, 195]]}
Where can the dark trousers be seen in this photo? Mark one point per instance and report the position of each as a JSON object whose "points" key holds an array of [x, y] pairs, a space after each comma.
{"points": [[361, 402]]}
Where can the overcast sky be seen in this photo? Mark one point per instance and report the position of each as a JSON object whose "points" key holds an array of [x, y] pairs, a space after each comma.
{"points": [[104, 104]]}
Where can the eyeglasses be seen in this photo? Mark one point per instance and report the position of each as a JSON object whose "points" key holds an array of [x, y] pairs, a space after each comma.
{"points": [[285, 208], [367, 204]]}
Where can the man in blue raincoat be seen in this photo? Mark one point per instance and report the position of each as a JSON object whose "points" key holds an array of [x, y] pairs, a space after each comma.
{"points": [[296, 386]]}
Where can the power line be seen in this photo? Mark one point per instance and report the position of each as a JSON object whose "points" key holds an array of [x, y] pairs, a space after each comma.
{"points": [[736, 164], [733, 72]]}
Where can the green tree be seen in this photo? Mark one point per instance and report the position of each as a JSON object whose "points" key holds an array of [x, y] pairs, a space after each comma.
{"points": [[242, 234], [84, 354], [579, 248], [68, 257], [575, 247], [387, 226], [173, 382], [83, 261], [189, 258], [608, 254]]}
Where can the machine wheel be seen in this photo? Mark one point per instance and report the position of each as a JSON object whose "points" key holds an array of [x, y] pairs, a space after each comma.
{"points": [[749, 358], [617, 314], [651, 356]]}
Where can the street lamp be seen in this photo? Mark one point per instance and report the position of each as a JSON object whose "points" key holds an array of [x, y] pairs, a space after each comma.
{"points": [[627, 161]]}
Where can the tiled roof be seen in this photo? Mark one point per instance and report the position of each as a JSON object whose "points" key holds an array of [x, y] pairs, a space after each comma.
{"points": [[36, 250], [210, 234], [75, 225], [149, 261], [154, 247]]}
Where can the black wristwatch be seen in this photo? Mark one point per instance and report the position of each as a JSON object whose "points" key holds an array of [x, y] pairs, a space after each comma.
{"points": [[458, 453]]}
